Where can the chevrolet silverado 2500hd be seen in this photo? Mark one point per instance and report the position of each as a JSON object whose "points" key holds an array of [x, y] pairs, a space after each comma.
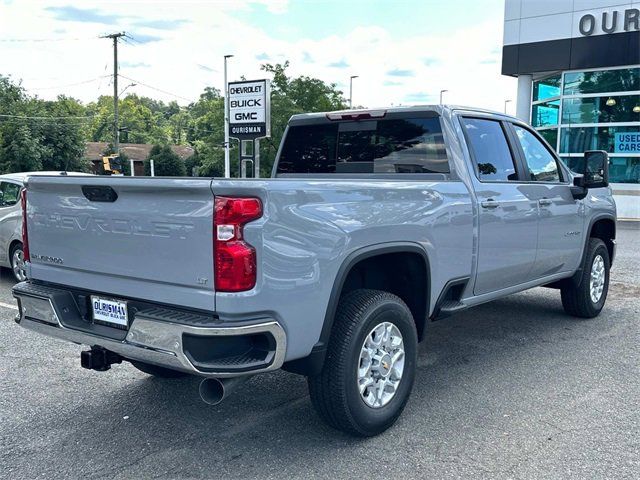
{"points": [[375, 223]]}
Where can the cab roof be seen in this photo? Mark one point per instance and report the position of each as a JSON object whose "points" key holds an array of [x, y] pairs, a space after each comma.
{"points": [[373, 113]]}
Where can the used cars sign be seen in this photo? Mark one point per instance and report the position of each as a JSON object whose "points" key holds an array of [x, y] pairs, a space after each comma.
{"points": [[249, 109]]}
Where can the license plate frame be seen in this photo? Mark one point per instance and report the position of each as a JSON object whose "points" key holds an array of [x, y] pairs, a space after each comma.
{"points": [[117, 316]]}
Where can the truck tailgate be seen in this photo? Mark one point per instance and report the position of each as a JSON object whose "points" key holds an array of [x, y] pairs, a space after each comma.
{"points": [[148, 238]]}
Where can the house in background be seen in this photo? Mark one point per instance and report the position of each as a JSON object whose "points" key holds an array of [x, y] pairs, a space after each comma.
{"points": [[138, 152]]}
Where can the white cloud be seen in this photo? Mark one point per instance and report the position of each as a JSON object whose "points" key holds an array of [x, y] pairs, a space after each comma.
{"points": [[189, 55]]}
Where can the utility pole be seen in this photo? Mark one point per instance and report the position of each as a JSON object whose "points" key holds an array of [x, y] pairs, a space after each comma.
{"points": [[116, 128], [441, 92]]}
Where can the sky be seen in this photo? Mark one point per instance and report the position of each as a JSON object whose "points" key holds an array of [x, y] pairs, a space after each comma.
{"points": [[403, 51]]}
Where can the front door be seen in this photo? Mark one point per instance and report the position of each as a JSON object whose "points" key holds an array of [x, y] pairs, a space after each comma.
{"points": [[561, 216], [508, 216]]}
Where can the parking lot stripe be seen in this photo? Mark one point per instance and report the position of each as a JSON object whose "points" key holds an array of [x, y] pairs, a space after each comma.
{"points": [[8, 305]]}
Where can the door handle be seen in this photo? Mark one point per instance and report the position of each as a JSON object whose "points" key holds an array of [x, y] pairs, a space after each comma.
{"points": [[545, 202], [489, 204]]}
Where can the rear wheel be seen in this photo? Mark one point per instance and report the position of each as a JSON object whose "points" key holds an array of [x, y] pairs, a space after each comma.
{"points": [[17, 263], [370, 366], [157, 371], [586, 298]]}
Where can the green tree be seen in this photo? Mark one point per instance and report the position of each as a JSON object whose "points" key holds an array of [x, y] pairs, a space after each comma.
{"points": [[23, 152], [206, 119], [209, 159], [65, 139], [38, 134], [166, 163], [142, 120]]}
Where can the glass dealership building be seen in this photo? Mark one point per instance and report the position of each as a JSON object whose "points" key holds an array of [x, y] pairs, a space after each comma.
{"points": [[578, 69]]}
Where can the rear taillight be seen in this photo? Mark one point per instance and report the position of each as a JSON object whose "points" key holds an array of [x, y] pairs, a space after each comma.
{"points": [[235, 259], [25, 236]]}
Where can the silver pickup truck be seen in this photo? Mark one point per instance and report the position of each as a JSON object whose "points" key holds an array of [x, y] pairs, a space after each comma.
{"points": [[374, 224]]}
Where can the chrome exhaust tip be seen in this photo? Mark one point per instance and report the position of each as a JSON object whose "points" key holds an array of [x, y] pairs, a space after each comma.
{"points": [[215, 390]]}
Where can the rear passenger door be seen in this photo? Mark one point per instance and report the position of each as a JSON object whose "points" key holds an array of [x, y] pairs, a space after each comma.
{"points": [[561, 217], [508, 216]]}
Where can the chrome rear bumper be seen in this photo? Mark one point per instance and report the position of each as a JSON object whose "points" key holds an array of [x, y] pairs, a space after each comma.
{"points": [[147, 339]]}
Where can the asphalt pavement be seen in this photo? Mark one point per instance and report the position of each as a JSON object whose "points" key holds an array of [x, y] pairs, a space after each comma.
{"points": [[510, 389]]}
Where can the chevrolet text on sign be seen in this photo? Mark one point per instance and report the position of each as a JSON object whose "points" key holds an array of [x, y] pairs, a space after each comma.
{"points": [[249, 108]]}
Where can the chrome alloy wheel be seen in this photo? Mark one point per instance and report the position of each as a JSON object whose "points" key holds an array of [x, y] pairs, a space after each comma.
{"points": [[17, 265], [598, 276], [381, 365]]}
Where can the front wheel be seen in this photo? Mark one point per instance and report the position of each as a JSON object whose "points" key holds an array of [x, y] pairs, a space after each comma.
{"points": [[586, 297], [370, 366]]}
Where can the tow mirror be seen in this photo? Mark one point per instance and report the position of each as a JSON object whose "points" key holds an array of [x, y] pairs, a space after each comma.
{"points": [[596, 169], [593, 173]]}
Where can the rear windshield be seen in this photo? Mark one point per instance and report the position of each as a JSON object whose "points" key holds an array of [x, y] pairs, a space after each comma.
{"points": [[409, 145]]}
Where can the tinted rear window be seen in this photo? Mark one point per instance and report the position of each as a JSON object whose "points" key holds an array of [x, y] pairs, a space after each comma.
{"points": [[411, 145]]}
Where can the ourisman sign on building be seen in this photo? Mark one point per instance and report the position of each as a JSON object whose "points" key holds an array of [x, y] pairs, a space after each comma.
{"points": [[578, 69]]}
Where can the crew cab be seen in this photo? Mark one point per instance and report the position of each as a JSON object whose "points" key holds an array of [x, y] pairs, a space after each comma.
{"points": [[374, 224]]}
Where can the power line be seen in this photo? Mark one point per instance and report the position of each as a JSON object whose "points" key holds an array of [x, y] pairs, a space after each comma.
{"points": [[127, 39], [58, 39], [133, 40], [71, 84], [156, 88], [27, 117]]}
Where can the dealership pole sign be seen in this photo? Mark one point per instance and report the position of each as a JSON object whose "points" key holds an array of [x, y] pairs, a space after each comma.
{"points": [[250, 109], [249, 121]]}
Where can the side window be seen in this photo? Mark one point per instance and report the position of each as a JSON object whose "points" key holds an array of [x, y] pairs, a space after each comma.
{"points": [[543, 166], [9, 194], [490, 150]]}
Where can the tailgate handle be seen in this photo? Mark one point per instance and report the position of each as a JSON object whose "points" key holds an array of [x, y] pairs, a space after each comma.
{"points": [[100, 193]]}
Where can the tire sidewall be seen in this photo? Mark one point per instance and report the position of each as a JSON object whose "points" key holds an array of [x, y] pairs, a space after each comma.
{"points": [[374, 420], [16, 247], [601, 250]]}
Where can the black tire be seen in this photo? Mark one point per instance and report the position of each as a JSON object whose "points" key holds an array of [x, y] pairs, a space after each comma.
{"points": [[14, 268], [576, 296], [334, 392], [157, 371]]}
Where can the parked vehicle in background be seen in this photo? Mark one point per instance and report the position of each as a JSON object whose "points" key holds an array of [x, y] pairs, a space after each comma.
{"points": [[11, 253], [376, 223]]}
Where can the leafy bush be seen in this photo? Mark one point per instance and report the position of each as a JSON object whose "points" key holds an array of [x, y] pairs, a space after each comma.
{"points": [[166, 163]]}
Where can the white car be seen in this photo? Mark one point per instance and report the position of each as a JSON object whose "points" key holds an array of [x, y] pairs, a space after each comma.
{"points": [[11, 255]]}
